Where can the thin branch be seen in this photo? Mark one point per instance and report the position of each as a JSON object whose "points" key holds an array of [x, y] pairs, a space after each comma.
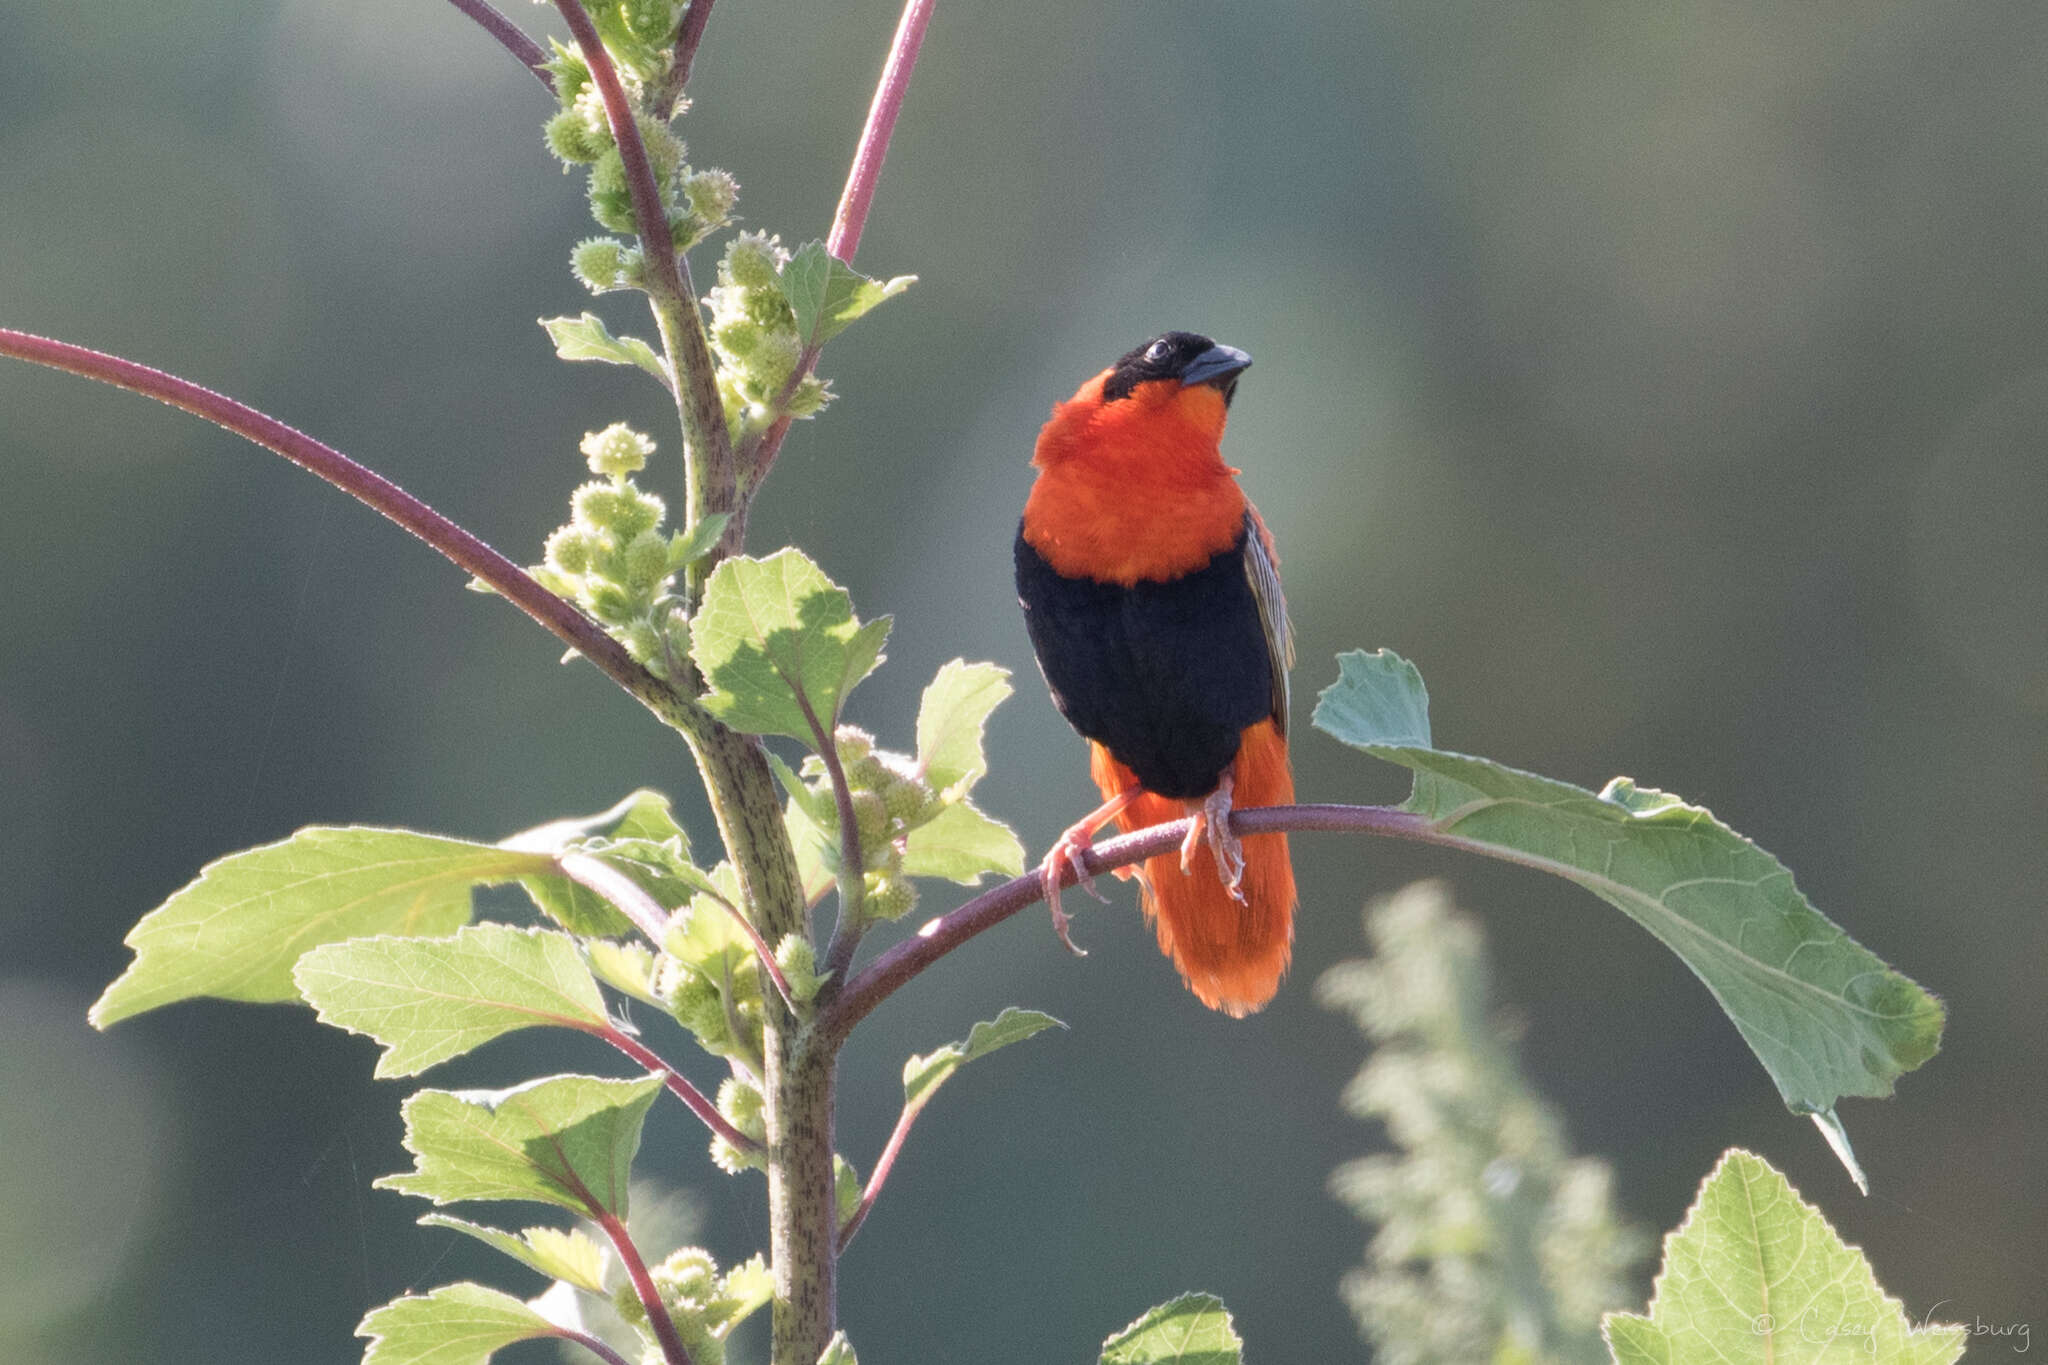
{"points": [[885, 1163], [592, 1345], [709, 471], [874, 138], [679, 1085], [761, 951], [881, 978], [510, 37], [568, 624], [688, 36], [672, 1348], [847, 929], [854, 202]]}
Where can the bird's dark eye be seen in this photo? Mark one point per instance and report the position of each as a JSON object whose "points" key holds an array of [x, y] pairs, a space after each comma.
{"points": [[1157, 350]]}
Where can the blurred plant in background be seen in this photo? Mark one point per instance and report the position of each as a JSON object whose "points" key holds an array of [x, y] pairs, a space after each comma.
{"points": [[1493, 1241]]}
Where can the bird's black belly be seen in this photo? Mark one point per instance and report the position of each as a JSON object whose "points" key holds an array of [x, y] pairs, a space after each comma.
{"points": [[1166, 676]]}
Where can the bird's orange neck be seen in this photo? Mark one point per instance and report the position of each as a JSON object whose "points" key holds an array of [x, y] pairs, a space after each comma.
{"points": [[1133, 490]]}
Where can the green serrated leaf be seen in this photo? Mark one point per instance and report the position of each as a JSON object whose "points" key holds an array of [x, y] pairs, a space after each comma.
{"points": [[1194, 1329], [457, 1324], [640, 814], [587, 338], [639, 837], [1824, 1015], [950, 720], [565, 1254], [704, 938], [626, 967], [234, 933], [428, 999], [826, 294], [776, 639], [922, 1076], [1754, 1273], [565, 1140], [821, 808], [961, 843], [838, 1351]]}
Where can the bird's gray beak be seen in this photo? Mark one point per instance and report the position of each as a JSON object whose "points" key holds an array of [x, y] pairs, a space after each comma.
{"points": [[1216, 363]]}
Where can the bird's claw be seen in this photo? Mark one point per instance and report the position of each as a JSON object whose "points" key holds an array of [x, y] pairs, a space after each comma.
{"points": [[1211, 823], [1067, 854]]}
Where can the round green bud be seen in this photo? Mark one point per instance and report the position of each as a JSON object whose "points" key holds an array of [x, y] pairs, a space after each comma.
{"points": [[752, 261], [641, 640], [853, 743], [810, 397], [611, 203], [626, 1303], [866, 774], [599, 264], [597, 506], [886, 860], [906, 798], [711, 195], [665, 151], [646, 563], [612, 604], [571, 73], [638, 513], [687, 1277], [738, 338], [893, 899], [618, 450], [651, 21], [571, 139], [743, 1107], [872, 815], [568, 549]]}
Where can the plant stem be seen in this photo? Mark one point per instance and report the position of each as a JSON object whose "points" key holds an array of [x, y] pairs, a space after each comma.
{"points": [[672, 1348], [707, 455], [886, 974], [592, 1345], [679, 1085], [688, 36], [885, 1163], [509, 35], [854, 202], [510, 581]]}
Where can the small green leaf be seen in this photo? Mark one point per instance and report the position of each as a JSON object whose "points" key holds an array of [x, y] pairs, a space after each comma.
{"points": [[1194, 1329], [428, 999], [748, 1287], [780, 646], [826, 294], [961, 843], [838, 1351], [587, 338], [703, 936], [626, 967], [950, 721], [457, 1324], [821, 808], [640, 814], [1754, 1273], [565, 1254], [687, 547], [922, 1076], [1823, 1014], [235, 932], [638, 836], [566, 1140]]}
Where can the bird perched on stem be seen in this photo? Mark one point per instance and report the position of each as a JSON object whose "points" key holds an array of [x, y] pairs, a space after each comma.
{"points": [[1151, 592]]}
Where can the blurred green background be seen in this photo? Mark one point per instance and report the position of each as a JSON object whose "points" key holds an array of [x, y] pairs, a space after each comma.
{"points": [[1668, 381]]}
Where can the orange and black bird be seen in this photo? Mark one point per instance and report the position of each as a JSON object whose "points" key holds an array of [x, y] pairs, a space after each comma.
{"points": [[1151, 592]]}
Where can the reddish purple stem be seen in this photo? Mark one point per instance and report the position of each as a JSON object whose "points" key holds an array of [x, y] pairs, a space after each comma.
{"points": [[679, 1085], [672, 1348], [509, 36]]}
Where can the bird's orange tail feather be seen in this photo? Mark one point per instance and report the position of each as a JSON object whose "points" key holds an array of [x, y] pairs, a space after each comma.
{"points": [[1232, 954]]}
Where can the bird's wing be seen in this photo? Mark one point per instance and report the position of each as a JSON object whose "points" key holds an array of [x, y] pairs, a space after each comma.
{"points": [[1262, 567]]}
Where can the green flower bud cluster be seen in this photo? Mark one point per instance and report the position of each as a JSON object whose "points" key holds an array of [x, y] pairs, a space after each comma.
{"points": [[1484, 1183], [694, 203], [709, 979], [613, 560], [753, 332], [890, 799], [703, 1304], [744, 1108]]}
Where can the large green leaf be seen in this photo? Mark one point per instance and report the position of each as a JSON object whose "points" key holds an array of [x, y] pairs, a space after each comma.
{"points": [[922, 1076], [566, 1140], [1822, 1013], [1194, 1329], [429, 999], [780, 646], [565, 1254], [950, 720], [236, 932], [457, 1324], [1754, 1273], [826, 294]]}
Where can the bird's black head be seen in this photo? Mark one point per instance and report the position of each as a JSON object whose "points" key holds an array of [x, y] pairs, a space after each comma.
{"points": [[1187, 356]]}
